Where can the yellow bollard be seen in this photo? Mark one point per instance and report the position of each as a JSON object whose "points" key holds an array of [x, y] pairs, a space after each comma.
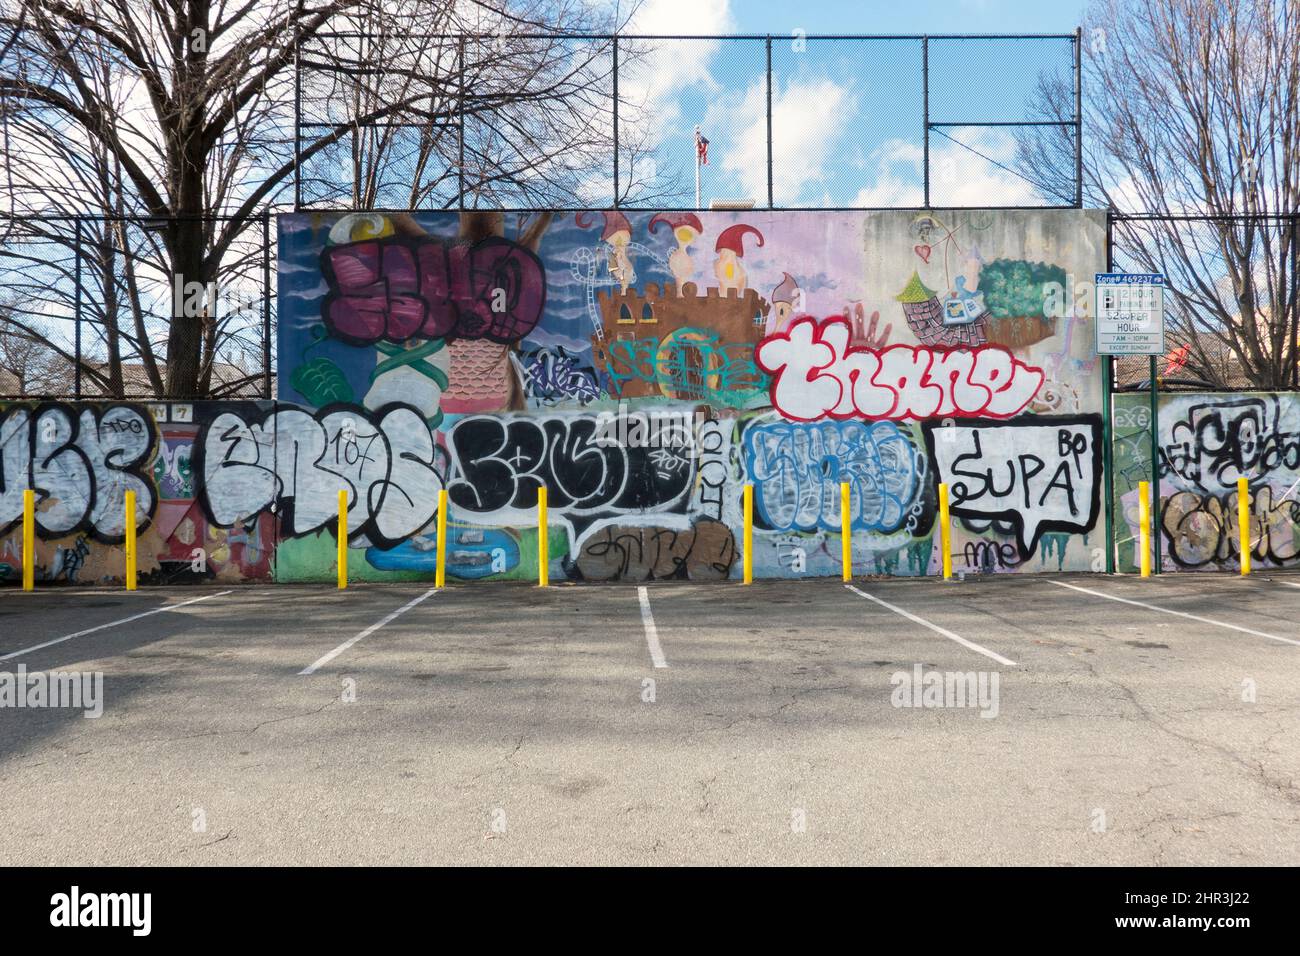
{"points": [[343, 539], [1243, 522], [130, 541], [29, 540], [749, 534], [1144, 526], [846, 532], [543, 545], [945, 531], [440, 575]]}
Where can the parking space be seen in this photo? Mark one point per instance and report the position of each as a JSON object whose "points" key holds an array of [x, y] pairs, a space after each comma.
{"points": [[667, 723]]}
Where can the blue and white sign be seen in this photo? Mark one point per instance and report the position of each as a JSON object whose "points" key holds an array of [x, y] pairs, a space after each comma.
{"points": [[1130, 314]]}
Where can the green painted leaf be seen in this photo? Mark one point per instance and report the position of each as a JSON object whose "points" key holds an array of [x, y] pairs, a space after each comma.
{"points": [[320, 382]]}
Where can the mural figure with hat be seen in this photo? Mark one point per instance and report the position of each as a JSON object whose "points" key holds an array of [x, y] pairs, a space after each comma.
{"points": [[617, 234], [730, 248], [787, 300], [686, 227]]}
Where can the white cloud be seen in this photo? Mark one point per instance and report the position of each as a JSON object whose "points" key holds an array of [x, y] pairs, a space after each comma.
{"points": [[977, 173], [807, 122], [655, 72]]}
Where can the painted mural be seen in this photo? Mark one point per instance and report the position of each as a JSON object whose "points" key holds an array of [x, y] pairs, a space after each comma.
{"points": [[1206, 441], [641, 366]]}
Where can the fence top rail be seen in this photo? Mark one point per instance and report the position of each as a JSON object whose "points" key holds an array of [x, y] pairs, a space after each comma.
{"points": [[361, 35], [388, 210], [1202, 217]]}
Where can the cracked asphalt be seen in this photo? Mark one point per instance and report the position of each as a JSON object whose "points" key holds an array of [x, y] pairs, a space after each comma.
{"points": [[509, 725]]}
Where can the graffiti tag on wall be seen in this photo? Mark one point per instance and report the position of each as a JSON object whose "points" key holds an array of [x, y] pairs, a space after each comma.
{"points": [[1039, 474], [797, 470], [818, 374], [297, 462], [80, 461]]}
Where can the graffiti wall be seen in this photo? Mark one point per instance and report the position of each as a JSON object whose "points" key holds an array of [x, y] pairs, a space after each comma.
{"points": [[643, 367], [1206, 441], [82, 459]]}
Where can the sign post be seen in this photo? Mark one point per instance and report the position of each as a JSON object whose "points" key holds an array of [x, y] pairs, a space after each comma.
{"points": [[1131, 321]]}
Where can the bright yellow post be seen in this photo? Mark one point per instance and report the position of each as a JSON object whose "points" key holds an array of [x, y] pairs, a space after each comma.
{"points": [[749, 534], [29, 540], [945, 531], [343, 538], [440, 576], [543, 545], [130, 541], [1243, 522], [846, 532], [1144, 526]]}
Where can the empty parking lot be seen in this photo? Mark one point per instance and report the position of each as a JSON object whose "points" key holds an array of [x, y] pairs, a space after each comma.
{"points": [[1119, 721]]}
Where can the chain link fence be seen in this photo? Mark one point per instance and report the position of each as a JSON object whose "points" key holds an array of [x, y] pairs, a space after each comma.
{"points": [[792, 122], [87, 302]]}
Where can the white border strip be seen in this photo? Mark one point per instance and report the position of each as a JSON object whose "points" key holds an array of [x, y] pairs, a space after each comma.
{"points": [[1165, 610], [92, 630], [936, 628], [651, 632], [313, 668]]}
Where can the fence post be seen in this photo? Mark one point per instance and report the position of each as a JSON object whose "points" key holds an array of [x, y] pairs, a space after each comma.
{"points": [[925, 96], [615, 120], [771, 200], [297, 121], [1078, 117], [266, 303], [76, 319]]}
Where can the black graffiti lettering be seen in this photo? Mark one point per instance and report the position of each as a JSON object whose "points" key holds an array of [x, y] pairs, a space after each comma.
{"points": [[1053, 464], [1027, 474], [1061, 481]]}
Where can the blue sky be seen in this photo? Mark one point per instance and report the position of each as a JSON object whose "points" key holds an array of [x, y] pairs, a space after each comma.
{"points": [[917, 16], [847, 116]]}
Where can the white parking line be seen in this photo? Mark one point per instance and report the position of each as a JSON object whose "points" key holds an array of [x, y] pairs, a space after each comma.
{"points": [[92, 630], [651, 632], [1290, 584], [1165, 610], [366, 633], [936, 628]]}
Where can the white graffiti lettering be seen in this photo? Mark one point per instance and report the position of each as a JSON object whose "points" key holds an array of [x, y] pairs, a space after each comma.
{"points": [[297, 462]]}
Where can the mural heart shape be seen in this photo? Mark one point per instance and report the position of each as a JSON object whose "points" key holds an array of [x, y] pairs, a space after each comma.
{"points": [[924, 252]]}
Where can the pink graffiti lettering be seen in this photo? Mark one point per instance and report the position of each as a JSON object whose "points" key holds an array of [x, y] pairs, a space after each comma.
{"points": [[817, 374], [395, 289]]}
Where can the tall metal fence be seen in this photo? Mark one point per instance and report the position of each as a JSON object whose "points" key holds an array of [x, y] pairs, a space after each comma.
{"points": [[793, 121], [86, 305], [1232, 311]]}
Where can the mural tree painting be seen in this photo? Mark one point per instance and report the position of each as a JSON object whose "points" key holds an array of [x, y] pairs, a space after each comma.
{"points": [[173, 115]]}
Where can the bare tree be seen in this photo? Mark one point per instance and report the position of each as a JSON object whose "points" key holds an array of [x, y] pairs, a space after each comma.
{"points": [[1192, 113], [176, 122], [28, 366]]}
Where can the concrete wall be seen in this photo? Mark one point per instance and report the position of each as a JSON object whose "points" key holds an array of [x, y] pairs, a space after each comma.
{"points": [[643, 368]]}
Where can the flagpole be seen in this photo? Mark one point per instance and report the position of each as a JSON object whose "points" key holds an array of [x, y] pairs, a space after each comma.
{"points": [[697, 168]]}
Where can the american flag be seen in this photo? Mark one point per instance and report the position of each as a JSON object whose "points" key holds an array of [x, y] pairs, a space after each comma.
{"points": [[701, 148]]}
